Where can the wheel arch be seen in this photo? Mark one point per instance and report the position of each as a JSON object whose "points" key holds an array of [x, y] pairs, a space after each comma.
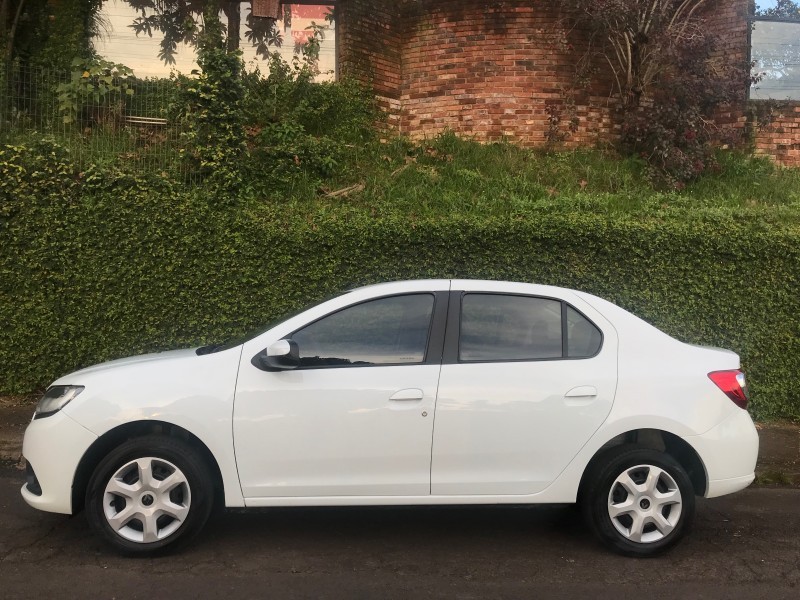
{"points": [[662, 441], [116, 436]]}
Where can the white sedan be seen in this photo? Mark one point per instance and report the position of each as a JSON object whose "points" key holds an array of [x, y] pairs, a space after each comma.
{"points": [[409, 393]]}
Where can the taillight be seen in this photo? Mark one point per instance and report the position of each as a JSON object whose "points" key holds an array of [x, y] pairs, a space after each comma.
{"points": [[733, 384]]}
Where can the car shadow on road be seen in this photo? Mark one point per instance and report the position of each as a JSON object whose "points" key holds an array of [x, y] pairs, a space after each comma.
{"points": [[477, 529]]}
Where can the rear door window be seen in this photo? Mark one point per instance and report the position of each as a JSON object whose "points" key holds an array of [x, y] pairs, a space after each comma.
{"points": [[495, 327], [498, 327]]}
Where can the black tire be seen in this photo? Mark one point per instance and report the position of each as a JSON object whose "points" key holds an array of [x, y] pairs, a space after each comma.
{"points": [[187, 505], [663, 525]]}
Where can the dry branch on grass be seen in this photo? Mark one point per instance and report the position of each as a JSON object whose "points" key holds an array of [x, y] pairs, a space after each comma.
{"points": [[353, 189]]}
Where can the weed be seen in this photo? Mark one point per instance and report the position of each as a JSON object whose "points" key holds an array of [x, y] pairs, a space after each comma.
{"points": [[773, 477]]}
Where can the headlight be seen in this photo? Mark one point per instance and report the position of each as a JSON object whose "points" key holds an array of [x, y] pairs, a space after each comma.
{"points": [[56, 398]]}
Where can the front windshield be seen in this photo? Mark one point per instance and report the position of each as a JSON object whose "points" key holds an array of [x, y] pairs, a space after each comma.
{"points": [[239, 340]]}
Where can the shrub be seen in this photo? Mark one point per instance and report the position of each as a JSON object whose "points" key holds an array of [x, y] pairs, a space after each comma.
{"points": [[674, 131], [299, 131], [95, 85], [212, 105], [282, 153]]}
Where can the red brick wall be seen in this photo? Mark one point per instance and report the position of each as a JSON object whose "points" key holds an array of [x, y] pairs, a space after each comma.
{"points": [[480, 68], [494, 70], [506, 68], [781, 138], [730, 19], [369, 49]]}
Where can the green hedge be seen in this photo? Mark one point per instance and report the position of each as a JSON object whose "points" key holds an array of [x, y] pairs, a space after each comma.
{"points": [[102, 265]]}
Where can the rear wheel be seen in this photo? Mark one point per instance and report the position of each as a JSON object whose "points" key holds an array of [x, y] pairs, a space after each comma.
{"points": [[638, 501], [149, 494]]}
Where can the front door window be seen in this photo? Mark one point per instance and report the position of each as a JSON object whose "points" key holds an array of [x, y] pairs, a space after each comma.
{"points": [[387, 331]]}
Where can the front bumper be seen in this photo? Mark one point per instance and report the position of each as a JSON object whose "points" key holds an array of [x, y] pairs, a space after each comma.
{"points": [[729, 452], [54, 447]]}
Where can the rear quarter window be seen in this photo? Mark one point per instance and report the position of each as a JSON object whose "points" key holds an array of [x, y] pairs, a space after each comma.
{"points": [[584, 339]]}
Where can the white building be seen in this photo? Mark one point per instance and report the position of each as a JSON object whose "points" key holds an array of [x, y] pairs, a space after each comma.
{"points": [[120, 44]]}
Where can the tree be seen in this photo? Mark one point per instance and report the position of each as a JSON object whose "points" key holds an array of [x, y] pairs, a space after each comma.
{"points": [[47, 34], [10, 16], [783, 9], [640, 38], [670, 79], [178, 21], [214, 108]]}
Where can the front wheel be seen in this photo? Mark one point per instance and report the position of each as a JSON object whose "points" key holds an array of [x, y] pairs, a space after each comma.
{"points": [[149, 494], [639, 502]]}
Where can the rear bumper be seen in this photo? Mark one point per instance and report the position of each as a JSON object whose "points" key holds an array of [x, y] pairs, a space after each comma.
{"points": [[54, 447], [729, 453], [721, 487]]}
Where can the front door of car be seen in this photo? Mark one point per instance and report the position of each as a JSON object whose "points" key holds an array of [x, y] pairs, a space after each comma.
{"points": [[522, 389], [356, 417]]}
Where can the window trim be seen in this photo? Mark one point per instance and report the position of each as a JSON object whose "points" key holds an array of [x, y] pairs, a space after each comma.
{"points": [[433, 344], [453, 335]]}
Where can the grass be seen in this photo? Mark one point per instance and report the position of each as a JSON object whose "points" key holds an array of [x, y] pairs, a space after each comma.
{"points": [[747, 181], [450, 175], [773, 477]]}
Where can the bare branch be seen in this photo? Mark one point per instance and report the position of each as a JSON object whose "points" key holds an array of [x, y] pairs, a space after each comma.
{"points": [[13, 31]]}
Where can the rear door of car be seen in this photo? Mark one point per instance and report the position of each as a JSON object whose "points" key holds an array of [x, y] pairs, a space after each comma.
{"points": [[529, 374]]}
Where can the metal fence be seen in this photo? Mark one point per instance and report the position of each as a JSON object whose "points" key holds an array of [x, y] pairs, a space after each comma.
{"points": [[99, 118]]}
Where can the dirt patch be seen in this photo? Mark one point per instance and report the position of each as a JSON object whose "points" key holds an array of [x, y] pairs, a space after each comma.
{"points": [[779, 455], [15, 414]]}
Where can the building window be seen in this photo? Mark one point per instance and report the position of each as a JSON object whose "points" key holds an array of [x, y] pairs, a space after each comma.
{"points": [[775, 51]]}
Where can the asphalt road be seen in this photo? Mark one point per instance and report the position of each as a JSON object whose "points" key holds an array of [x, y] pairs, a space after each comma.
{"points": [[742, 546]]}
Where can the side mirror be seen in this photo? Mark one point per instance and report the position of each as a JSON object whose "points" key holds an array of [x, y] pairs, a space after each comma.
{"points": [[283, 355]]}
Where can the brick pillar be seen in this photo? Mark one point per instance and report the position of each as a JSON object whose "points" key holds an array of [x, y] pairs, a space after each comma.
{"points": [[370, 49], [486, 69], [497, 70]]}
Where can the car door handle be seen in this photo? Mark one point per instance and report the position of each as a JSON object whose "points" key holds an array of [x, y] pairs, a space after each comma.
{"points": [[409, 395], [584, 391]]}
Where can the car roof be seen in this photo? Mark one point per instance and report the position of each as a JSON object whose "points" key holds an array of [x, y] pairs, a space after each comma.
{"points": [[476, 285]]}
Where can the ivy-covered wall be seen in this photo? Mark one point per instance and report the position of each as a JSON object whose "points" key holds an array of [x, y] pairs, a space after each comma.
{"points": [[106, 265]]}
